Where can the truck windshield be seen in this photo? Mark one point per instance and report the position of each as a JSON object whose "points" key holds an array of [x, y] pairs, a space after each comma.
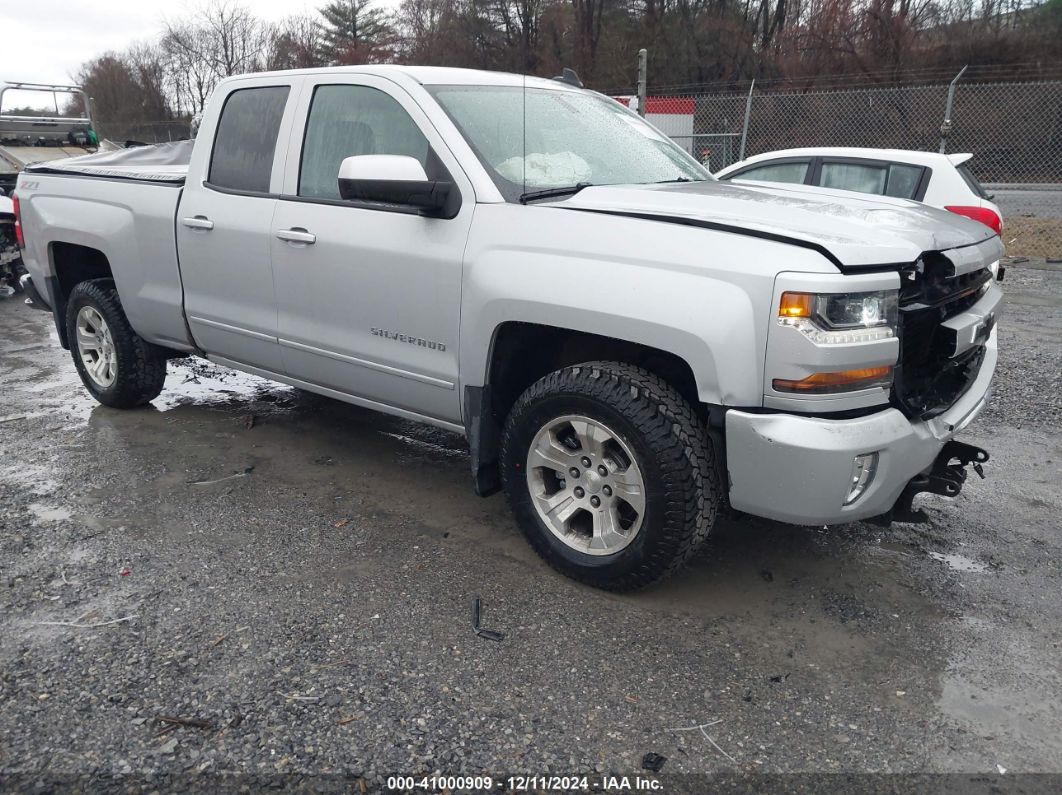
{"points": [[535, 139]]}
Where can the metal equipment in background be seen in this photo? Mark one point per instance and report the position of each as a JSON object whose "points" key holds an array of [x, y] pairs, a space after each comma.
{"points": [[26, 139]]}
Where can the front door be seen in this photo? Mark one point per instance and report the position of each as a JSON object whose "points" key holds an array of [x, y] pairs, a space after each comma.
{"points": [[368, 296]]}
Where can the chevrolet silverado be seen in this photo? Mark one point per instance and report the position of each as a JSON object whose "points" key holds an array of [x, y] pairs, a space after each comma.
{"points": [[629, 346]]}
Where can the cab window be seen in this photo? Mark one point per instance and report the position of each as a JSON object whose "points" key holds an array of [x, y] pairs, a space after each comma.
{"points": [[247, 138], [346, 121]]}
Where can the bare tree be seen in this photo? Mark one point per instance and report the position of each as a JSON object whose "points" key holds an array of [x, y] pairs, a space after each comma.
{"points": [[689, 42], [296, 43], [224, 39], [126, 87]]}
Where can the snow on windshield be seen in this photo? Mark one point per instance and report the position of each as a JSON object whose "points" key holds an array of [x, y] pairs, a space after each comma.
{"points": [[542, 170]]}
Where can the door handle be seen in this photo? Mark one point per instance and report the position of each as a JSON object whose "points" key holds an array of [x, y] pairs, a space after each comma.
{"points": [[198, 222], [297, 235]]}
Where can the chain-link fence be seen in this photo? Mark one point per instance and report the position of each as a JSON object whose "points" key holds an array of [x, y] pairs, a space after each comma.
{"points": [[151, 132], [1014, 131]]}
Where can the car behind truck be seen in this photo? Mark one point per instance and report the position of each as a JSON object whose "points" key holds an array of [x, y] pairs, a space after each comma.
{"points": [[629, 346]]}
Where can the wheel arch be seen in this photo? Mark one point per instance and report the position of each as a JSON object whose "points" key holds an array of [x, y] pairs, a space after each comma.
{"points": [[520, 353], [71, 264]]}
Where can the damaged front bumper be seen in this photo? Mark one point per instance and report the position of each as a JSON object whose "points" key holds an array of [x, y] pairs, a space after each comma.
{"points": [[800, 469], [946, 477]]}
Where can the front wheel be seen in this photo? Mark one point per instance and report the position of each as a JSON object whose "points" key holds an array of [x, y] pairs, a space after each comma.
{"points": [[610, 474], [116, 365]]}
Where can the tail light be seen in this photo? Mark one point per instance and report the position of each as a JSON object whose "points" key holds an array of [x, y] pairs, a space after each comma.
{"points": [[982, 214], [19, 238]]}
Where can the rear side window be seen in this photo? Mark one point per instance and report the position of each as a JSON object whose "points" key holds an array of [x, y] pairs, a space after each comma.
{"points": [[246, 139], [903, 181], [346, 121], [776, 172], [882, 179], [854, 176], [971, 181]]}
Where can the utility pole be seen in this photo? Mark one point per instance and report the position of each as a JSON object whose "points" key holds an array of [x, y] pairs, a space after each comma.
{"points": [[643, 64], [745, 127], [945, 128]]}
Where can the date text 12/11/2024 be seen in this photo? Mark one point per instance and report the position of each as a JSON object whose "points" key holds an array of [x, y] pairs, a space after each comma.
{"points": [[603, 783]]}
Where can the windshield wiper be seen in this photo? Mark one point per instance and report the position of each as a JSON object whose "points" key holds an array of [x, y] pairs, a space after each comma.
{"points": [[553, 193]]}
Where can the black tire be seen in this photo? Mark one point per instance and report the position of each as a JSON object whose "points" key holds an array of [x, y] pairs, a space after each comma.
{"points": [[673, 451], [140, 367]]}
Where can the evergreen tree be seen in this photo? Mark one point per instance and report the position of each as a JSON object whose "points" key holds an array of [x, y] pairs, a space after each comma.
{"points": [[356, 32]]}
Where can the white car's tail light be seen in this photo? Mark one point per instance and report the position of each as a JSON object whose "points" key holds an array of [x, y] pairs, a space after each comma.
{"points": [[982, 214]]}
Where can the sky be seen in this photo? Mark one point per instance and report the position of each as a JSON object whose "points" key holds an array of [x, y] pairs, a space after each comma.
{"points": [[46, 41]]}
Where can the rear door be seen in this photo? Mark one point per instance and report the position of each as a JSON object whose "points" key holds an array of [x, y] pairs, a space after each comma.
{"points": [[369, 296], [223, 223]]}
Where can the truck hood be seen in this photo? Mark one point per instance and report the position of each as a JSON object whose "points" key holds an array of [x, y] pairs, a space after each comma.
{"points": [[853, 230]]}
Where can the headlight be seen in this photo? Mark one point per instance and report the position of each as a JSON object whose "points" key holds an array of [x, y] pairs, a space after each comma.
{"points": [[837, 318]]}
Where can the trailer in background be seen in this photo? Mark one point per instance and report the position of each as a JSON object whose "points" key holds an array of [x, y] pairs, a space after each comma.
{"points": [[34, 139], [26, 139]]}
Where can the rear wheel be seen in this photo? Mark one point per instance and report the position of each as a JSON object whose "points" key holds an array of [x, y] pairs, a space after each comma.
{"points": [[610, 474], [117, 367]]}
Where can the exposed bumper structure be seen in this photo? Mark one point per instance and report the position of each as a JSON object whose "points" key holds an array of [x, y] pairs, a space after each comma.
{"points": [[799, 469]]}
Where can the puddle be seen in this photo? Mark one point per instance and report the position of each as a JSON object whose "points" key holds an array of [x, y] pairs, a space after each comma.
{"points": [[998, 709], [49, 513], [959, 563]]}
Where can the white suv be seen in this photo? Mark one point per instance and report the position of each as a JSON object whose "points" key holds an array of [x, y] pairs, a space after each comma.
{"points": [[935, 179]]}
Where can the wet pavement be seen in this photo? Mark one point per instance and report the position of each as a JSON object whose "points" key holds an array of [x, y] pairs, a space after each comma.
{"points": [[246, 579], [1029, 201]]}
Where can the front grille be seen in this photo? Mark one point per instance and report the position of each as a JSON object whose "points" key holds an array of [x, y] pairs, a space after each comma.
{"points": [[928, 379]]}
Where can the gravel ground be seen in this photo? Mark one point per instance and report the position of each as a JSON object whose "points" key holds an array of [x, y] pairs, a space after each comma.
{"points": [[289, 578]]}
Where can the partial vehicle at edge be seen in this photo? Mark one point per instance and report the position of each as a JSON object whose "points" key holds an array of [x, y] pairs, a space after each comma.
{"points": [[939, 180]]}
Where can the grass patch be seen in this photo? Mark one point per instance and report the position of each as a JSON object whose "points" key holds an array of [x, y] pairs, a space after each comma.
{"points": [[1033, 237]]}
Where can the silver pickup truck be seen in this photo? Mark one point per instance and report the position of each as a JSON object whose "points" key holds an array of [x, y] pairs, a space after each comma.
{"points": [[629, 346]]}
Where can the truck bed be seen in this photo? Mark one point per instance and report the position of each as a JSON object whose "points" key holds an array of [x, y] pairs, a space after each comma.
{"points": [[162, 163], [130, 214]]}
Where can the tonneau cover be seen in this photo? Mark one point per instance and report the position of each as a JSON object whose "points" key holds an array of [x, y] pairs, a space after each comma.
{"points": [[166, 163]]}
